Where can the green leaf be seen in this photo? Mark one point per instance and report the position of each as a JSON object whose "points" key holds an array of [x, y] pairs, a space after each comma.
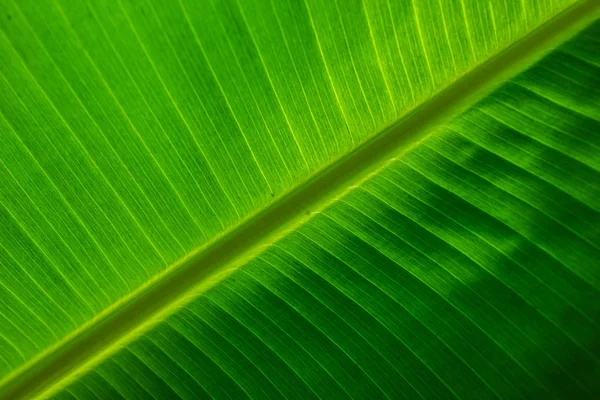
{"points": [[207, 185]]}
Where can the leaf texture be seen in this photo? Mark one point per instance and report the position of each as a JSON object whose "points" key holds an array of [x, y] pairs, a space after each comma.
{"points": [[135, 132], [467, 268]]}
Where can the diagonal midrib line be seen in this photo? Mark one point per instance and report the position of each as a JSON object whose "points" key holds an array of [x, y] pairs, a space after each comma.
{"points": [[167, 292]]}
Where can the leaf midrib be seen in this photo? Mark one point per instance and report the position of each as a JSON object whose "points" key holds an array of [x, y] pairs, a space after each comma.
{"points": [[170, 290]]}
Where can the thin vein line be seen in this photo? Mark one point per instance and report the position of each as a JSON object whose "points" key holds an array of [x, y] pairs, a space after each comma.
{"points": [[553, 100], [306, 289], [162, 337], [483, 268], [50, 261], [287, 47], [326, 110], [330, 78], [379, 63], [70, 209], [206, 113], [356, 74], [546, 124], [213, 356], [108, 377], [569, 78], [524, 150], [262, 61], [349, 298], [416, 14], [447, 36], [122, 110], [17, 350], [259, 338], [491, 113], [178, 320], [260, 284], [524, 11], [155, 374], [35, 315], [410, 86], [494, 23], [181, 116], [464, 13], [457, 279], [25, 107], [282, 332], [24, 270], [480, 209], [163, 350], [265, 377], [510, 193], [21, 335], [214, 75], [414, 297], [31, 238], [589, 63], [463, 196], [251, 91], [92, 391], [438, 264], [43, 46], [145, 100], [125, 242]]}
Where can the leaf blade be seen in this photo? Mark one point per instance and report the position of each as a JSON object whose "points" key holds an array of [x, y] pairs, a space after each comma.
{"points": [[107, 236], [438, 260]]}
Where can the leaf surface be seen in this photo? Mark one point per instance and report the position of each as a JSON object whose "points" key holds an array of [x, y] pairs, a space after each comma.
{"points": [[136, 133], [466, 268]]}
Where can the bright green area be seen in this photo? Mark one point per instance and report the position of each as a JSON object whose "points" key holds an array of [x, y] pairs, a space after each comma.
{"points": [[135, 132], [467, 268]]}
